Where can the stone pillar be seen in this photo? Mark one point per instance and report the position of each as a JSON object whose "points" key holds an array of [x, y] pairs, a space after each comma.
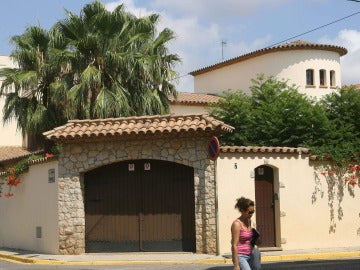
{"points": [[71, 217]]}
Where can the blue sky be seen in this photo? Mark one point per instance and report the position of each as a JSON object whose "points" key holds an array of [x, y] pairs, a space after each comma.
{"points": [[201, 25]]}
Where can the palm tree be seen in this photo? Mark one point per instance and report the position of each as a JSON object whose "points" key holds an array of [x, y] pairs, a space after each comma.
{"points": [[31, 103], [118, 64], [96, 65]]}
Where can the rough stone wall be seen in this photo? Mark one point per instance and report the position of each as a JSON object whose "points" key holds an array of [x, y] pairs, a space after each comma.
{"points": [[77, 158]]}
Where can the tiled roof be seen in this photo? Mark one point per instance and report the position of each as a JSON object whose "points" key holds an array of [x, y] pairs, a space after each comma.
{"points": [[134, 126], [193, 98], [43, 160], [14, 152], [34, 161], [11, 152], [295, 45], [264, 149], [356, 86]]}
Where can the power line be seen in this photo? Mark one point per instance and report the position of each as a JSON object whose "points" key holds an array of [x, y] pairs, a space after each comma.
{"points": [[304, 33], [317, 28]]}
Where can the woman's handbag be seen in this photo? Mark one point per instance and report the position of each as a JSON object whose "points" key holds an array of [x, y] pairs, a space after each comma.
{"points": [[255, 254], [255, 236]]}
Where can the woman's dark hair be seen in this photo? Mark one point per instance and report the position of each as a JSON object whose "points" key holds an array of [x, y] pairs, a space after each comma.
{"points": [[242, 204]]}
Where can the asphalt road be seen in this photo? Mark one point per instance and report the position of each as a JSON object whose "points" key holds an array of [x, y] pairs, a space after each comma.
{"points": [[351, 264]]}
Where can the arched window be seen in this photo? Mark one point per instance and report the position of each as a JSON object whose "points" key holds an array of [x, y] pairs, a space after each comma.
{"points": [[322, 76], [309, 77], [332, 78]]}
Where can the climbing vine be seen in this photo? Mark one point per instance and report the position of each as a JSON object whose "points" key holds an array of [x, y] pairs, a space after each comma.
{"points": [[338, 178]]}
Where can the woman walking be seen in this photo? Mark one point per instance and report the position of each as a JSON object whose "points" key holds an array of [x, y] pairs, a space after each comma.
{"points": [[241, 237]]}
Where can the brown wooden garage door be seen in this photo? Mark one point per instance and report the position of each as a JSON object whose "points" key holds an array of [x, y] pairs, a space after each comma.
{"points": [[141, 205]]}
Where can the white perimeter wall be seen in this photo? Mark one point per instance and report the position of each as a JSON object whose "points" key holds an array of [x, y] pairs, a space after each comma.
{"points": [[34, 204], [302, 223]]}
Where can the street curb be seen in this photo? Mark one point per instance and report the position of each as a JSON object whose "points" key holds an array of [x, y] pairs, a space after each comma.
{"points": [[312, 256], [266, 258], [13, 258]]}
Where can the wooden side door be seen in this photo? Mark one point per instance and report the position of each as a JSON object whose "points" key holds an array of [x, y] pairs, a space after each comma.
{"points": [[265, 208]]}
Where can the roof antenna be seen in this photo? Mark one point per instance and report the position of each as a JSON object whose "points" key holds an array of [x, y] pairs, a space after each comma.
{"points": [[223, 44]]}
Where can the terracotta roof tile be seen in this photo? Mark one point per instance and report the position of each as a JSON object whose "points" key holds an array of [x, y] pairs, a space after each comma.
{"points": [[347, 87], [263, 149], [43, 160], [14, 152], [35, 161], [11, 152], [140, 125], [194, 98], [295, 45]]}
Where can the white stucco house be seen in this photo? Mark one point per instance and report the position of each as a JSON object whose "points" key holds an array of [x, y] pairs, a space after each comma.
{"points": [[155, 183], [314, 68], [9, 134]]}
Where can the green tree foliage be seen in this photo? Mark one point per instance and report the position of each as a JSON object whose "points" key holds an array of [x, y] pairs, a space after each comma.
{"points": [[276, 114], [342, 142], [96, 65], [234, 110], [31, 103], [120, 66]]}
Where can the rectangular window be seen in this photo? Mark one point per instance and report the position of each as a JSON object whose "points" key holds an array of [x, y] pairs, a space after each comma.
{"points": [[51, 175], [322, 76], [332, 78], [309, 77], [38, 232]]}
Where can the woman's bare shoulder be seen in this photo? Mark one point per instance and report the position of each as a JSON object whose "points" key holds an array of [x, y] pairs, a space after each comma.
{"points": [[236, 223]]}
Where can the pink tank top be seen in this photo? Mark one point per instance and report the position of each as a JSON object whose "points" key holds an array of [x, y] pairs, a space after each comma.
{"points": [[244, 244]]}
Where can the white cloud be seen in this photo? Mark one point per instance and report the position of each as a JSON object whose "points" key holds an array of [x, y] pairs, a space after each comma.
{"points": [[210, 9], [199, 27], [129, 6], [239, 48], [350, 63], [350, 39], [193, 41]]}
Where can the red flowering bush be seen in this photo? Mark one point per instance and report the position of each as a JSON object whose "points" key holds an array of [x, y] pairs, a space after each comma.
{"points": [[351, 177], [11, 176], [12, 180], [349, 174]]}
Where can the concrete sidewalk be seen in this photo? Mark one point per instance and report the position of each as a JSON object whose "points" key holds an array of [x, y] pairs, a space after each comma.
{"points": [[28, 257]]}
